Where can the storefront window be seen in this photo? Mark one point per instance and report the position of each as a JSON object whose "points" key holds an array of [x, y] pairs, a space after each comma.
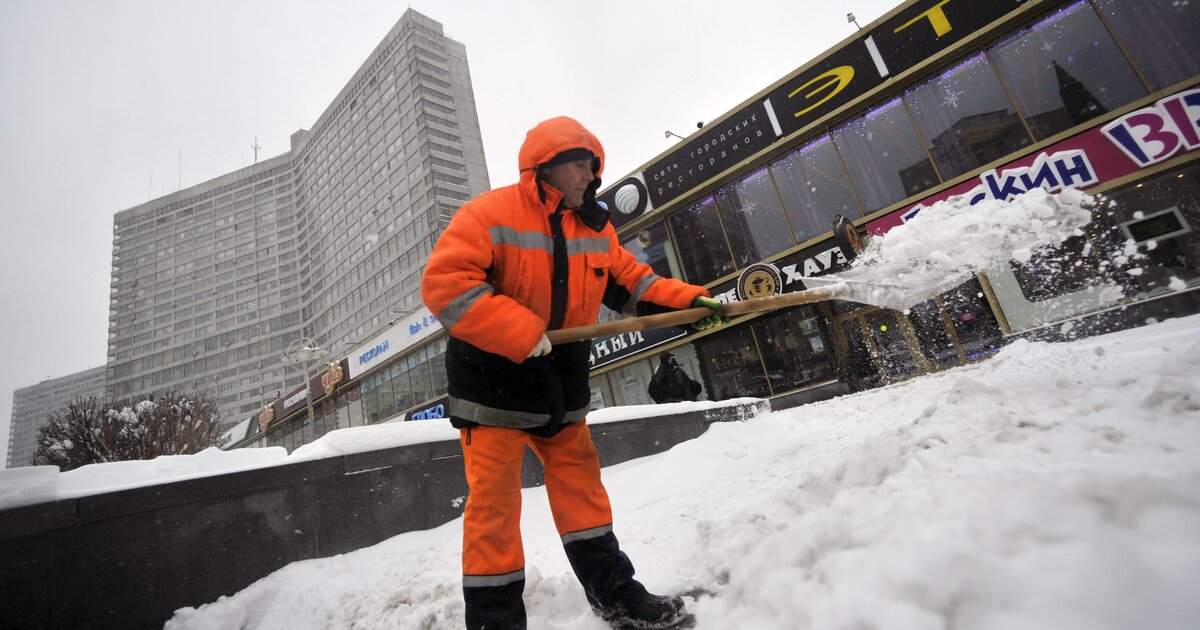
{"points": [[355, 408], [706, 255], [753, 218], [1052, 272], [814, 188], [437, 367], [1066, 70], [402, 390], [651, 246], [889, 340], [420, 376], [272, 437], [794, 348], [884, 157], [294, 432], [927, 323], [601, 395], [629, 384], [1080, 262], [341, 405], [1160, 35], [326, 418], [857, 368], [370, 398], [975, 326], [966, 118], [1162, 215], [731, 366]]}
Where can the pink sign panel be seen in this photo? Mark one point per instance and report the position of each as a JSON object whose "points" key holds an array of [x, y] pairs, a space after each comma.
{"points": [[1126, 145]]}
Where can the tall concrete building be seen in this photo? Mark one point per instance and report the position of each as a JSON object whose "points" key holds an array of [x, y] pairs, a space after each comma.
{"points": [[33, 405], [380, 173], [205, 288], [211, 284]]}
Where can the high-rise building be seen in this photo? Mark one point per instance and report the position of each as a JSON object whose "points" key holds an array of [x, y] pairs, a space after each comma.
{"points": [[34, 404], [380, 173], [212, 283], [205, 288]]}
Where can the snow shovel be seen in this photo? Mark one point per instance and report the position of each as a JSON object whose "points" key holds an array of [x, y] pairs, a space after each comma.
{"points": [[828, 287], [931, 253]]}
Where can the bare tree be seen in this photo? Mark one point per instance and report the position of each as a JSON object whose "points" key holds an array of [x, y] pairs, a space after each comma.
{"points": [[86, 432], [77, 435]]}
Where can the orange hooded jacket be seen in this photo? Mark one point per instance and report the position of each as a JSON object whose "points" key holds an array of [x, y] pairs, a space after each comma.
{"points": [[488, 281]]}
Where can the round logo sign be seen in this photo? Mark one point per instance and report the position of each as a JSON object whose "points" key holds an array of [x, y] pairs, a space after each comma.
{"points": [[630, 197], [759, 280]]}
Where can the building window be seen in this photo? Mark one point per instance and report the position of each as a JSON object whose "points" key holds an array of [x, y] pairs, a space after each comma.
{"points": [[1160, 35], [651, 246], [966, 118], [814, 189], [884, 156], [754, 221], [731, 366], [1162, 215], [1066, 70], [629, 384], [707, 256]]}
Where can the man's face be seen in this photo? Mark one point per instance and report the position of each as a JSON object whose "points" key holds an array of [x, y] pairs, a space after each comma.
{"points": [[572, 179]]}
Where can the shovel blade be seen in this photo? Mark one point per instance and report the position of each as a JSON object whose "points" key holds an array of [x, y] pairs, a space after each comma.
{"points": [[900, 297]]}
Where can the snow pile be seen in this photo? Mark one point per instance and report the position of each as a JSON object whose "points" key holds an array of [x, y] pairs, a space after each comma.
{"points": [[1053, 486], [948, 242]]}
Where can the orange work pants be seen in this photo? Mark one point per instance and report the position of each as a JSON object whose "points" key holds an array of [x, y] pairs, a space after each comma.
{"points": [[492, 551]]}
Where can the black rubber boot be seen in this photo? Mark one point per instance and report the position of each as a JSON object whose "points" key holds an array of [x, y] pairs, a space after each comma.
{"points": [[607, 578], [634, 608]]}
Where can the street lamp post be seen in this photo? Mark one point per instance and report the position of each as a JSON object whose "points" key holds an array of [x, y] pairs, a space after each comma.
{"points": [[299, 353]]}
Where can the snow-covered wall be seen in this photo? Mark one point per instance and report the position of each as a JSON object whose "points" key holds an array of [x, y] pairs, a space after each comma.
{"points": [[129, 558]]}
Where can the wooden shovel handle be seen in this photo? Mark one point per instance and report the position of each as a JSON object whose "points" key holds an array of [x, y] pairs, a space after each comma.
{"points": [[688, 316]]}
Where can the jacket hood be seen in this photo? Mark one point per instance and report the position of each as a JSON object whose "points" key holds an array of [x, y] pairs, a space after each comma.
{"points": [[553, 136]]}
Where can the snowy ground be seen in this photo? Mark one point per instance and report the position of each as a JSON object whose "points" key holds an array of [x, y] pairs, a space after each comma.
{"points": [[1053, 486]]}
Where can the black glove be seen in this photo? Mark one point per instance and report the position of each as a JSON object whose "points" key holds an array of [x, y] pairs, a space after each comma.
{"points": [[594, 213]]}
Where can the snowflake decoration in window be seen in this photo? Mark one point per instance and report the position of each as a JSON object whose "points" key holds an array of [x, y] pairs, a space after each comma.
{"points": [[749, 208], [951, 97], [1048, 46]]}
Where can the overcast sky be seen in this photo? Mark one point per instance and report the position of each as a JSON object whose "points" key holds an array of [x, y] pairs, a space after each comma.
{"points": [[110, 104]]}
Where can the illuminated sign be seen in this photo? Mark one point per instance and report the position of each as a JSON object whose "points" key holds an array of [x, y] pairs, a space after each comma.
{"points": [[379, 350], [435, 412], [1153, 134], [404, 334], [296, 399]]}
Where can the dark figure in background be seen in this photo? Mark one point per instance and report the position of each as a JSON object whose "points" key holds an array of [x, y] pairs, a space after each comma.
{"points": [[670, 383]]}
